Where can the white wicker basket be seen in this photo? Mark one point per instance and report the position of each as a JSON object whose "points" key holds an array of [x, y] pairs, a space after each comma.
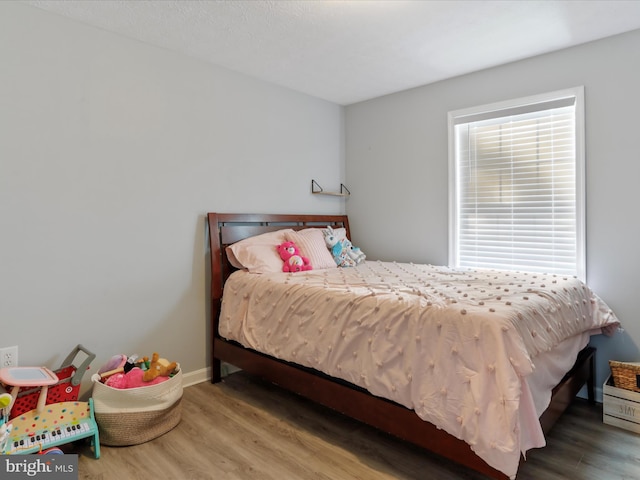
{"points": [[137, 415]]}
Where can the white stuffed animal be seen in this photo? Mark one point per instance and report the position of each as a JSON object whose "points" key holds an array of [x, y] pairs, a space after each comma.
{"points": [[342, 250], [355, 254]]}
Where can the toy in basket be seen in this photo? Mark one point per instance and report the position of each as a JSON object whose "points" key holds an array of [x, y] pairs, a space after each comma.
{"points": [[139, 406], [66, 389]]}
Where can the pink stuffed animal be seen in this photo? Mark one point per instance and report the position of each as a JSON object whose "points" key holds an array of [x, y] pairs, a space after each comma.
{"points": [[132, 379], [293, 261]]}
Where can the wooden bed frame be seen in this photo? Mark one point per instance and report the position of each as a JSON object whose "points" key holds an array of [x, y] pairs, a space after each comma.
{"points": [[346, 398]]}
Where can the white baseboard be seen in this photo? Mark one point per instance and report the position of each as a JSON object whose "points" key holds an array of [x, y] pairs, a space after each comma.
{"points": [[204, 374], [198, 376]]}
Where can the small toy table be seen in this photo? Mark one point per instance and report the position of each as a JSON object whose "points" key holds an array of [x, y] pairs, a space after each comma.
{"points": [[28, 377]]}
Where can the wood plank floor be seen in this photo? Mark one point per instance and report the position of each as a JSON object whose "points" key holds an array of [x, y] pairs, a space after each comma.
{"points": [[244, 429]]}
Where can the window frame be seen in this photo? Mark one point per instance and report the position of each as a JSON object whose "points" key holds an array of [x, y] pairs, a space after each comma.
{"points": [[497, 110]]}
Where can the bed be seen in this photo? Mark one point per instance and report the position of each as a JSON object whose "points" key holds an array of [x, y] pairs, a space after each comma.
{"points": [[472, 365]]}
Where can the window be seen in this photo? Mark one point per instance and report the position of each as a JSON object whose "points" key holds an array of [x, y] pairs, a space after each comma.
{"points": [[517, 185]]}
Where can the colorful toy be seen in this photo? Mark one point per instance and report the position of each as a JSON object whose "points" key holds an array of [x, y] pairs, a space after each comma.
{"points": [[343, 251], [49, 424], [67, 388], [5, 400], [158, 367], [58, 424], [122, 373], [117, 364], [36, 379], [293, 261], [51, 451]]}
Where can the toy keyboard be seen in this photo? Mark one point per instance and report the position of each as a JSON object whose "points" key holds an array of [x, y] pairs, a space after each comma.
{"points": [[57, 424]]}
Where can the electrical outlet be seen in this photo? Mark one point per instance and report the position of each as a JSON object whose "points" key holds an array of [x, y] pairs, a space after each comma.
{"points": [[9, 357]]}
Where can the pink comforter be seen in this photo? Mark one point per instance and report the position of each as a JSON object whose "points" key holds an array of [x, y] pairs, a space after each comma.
{"points": [[452, 345]]}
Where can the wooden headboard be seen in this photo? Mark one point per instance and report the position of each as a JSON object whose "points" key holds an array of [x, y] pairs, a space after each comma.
{"points": [[228, 228]]}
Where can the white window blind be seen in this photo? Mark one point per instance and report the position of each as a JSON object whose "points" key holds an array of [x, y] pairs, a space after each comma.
{"points": [[517, 194]]}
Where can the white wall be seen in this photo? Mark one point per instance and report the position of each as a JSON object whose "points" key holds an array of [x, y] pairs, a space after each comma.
{"points": [[111, 153], [397, 167]]}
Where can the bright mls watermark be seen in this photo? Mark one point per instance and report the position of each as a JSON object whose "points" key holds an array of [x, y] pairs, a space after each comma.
{"points": [[39, 467]]}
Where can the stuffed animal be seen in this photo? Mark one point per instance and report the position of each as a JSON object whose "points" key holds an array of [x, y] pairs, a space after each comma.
{"points": [[343, 251], [158, 366], [355, 253], [335, 244], [132, 379], [293, 261]]}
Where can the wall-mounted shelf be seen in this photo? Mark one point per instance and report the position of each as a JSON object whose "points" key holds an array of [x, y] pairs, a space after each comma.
{"points": [[316, 189]]}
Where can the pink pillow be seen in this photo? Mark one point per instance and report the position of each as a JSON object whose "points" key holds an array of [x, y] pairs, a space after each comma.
{"points": [[258, 254], [311, 243]]}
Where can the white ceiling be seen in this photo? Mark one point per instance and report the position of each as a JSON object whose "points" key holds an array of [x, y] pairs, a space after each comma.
{"points": [[346, 51]]}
